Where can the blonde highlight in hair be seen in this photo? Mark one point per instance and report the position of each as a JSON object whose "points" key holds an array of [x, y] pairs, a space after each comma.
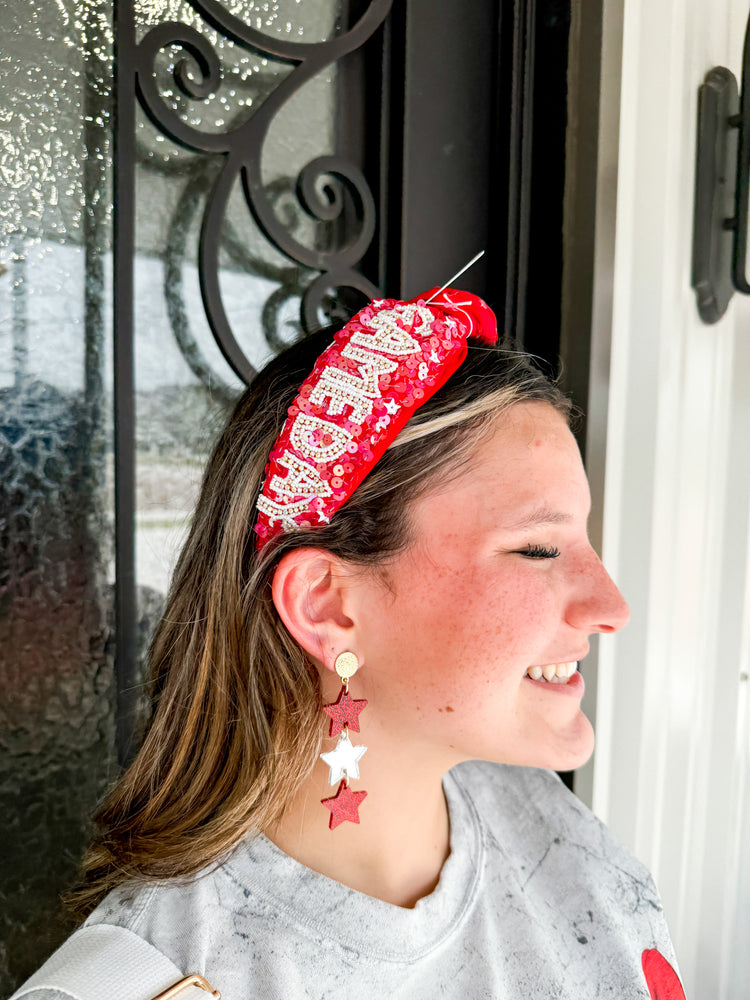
{"points": [[493, 403], [236, 722]]}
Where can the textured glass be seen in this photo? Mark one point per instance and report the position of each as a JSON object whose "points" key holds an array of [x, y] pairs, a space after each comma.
{"points": [[56, 710]]}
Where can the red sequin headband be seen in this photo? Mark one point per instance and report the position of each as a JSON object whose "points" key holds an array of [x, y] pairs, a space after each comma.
{"points": [[382, 366]]}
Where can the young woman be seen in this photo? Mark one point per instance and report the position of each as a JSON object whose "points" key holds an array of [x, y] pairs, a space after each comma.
{"points": [[390, 558]]}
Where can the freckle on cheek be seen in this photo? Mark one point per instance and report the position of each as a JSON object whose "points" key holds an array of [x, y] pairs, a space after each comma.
{"points": [[448, 708]]}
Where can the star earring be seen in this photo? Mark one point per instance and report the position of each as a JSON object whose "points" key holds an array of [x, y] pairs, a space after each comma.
{"points": [[343, 761]]}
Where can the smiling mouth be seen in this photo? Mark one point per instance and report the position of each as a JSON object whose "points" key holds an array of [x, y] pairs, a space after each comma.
{"points": [[553, 673]]}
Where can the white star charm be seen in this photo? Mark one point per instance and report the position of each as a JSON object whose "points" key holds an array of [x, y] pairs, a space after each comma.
{"points": [[344, 759], [391, 406]]}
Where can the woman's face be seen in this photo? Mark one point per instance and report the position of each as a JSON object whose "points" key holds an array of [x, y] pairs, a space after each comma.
{"points": [[499, 578]]}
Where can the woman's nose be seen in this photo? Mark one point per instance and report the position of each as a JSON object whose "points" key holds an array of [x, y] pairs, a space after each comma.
{"points": [[597, 605]]}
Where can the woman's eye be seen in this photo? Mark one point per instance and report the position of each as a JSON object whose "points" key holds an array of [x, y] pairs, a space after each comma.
{"points": [[540, 552]]}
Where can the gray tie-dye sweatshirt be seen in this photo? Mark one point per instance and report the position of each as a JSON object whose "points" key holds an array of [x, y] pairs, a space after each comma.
{"points": [[536, 901]]}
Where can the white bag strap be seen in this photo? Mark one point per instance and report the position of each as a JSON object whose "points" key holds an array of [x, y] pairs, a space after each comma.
{"points": [[105, 961]]}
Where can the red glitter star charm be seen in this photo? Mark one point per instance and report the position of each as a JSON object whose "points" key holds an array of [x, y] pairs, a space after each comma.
{"points": [[345, 712], [344, 805]]}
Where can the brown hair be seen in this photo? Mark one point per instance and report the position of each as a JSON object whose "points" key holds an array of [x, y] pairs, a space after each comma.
{"points": [[235, 721]]}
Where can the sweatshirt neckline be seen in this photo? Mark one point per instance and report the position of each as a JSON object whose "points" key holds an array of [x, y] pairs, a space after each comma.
{"points": [[333, 913]]}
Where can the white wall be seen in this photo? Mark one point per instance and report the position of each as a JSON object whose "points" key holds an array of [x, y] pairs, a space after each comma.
{"points": [[672, 767]]}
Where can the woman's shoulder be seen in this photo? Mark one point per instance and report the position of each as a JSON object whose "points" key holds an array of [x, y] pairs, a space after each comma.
{"points": [[531, 811], [531, 794], [534, 791]]}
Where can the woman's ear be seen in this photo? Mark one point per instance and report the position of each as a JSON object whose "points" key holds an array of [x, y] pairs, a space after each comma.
{"points": [[309, 590]]}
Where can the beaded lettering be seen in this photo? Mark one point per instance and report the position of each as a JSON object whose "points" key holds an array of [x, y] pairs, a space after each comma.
{"points": [[320, 440], [344, 388]]}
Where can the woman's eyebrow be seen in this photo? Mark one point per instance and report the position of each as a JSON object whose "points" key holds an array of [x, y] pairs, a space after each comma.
{"points": [[542, 515]]}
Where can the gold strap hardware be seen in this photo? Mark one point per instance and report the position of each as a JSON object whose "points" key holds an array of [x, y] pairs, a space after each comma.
{"points": [[192, 980]]}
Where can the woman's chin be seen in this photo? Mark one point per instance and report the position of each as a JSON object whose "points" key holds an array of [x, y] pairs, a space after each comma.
{"points": [[567, 750], [577, 748]]}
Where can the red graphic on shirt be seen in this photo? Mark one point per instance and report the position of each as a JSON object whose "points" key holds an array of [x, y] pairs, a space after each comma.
{"points": [[661, 978]]}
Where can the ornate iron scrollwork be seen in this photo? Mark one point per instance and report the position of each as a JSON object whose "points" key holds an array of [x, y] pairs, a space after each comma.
{"points": [[287, 279], [241, 148]]}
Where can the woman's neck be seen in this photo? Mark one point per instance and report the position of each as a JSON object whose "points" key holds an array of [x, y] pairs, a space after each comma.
{"points": [[398, 849]]}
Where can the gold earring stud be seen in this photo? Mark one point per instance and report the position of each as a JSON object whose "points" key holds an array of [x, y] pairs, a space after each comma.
{"points": [[346, 665]]}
